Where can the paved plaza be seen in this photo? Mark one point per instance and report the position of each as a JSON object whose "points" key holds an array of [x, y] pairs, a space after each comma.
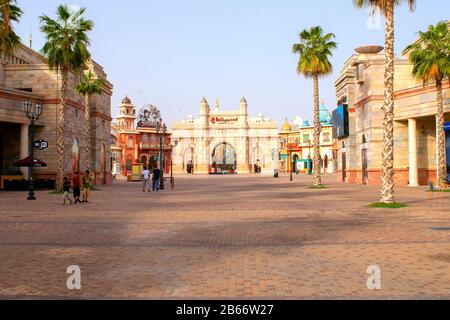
{"points": [[226, 237]]}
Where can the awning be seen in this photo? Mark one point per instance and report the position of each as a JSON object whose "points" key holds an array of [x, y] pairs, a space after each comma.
{"points": [[28, 163]]}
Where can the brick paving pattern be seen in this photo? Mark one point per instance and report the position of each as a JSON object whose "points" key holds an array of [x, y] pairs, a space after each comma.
{"points": [[226, 237]]}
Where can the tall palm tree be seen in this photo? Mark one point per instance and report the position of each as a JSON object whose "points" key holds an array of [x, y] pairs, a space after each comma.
{"points": [[315, 49], [387, 176], [430, 57], [9, 11], [90, 86], [66, 51]]}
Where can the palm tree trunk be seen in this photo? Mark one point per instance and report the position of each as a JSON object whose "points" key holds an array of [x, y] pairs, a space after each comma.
{"points": [[440, 122], [316, 172], [60, 131], [87, 130], [387, 176]]}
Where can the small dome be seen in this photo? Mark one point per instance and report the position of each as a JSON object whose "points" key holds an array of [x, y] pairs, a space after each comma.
{"points": [[126, 100], [286, 126], [243, 100]]}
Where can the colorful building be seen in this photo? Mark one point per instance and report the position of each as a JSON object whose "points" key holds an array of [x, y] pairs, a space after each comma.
{"points": [[359, 121], [24, 76], [296, 145], [135, 139]]}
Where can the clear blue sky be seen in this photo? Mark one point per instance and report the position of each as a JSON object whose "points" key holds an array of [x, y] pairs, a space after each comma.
{"points": [[171, 53]]}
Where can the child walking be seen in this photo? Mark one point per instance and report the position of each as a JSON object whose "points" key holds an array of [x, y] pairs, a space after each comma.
{"points": [[66, 189]]}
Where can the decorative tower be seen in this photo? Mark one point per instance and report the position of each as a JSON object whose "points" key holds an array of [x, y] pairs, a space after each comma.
{"points": [[127, 115], [243, 113], [204, 112], [217, 105]]}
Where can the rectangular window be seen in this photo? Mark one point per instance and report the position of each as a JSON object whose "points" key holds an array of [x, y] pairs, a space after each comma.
{"points": [[305, 138]]}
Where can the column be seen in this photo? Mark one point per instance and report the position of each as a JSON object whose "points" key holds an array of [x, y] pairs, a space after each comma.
{"points": [[412, 138], [24, 147]]}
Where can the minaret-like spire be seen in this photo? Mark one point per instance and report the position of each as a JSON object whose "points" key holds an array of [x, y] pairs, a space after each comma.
{"points": [[217, 104], [30, 38]]}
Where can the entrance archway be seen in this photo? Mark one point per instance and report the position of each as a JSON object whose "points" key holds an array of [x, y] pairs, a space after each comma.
{"points": [[188, 161], [224, 159]]}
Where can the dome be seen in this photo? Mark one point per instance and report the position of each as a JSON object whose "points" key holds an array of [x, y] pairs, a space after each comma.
{"points": [[286, 126], [324, 115], [126, 100]]}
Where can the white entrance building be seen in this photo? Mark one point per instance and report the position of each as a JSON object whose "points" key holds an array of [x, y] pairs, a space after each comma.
{"points": [[221, 142]]}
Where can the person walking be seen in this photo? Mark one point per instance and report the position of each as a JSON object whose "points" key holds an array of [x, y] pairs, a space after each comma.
{"points": [[86, 180], [66, 189], [76, 187], [147, 175], [156, 178]]}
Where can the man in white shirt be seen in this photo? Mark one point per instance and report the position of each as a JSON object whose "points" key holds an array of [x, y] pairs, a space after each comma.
{"points": [[147, 177]]}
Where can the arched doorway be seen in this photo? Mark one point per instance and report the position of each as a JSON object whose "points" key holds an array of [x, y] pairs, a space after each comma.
{"points": [[75, 157], [152, 163], [128, 164], [188, 161], [224, 159], [103, 164], [295, 163], [144, 160]]}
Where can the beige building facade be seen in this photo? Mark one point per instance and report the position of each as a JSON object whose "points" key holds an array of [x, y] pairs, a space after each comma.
{"points": [[225, 142], [360, 88], [26, 75]]}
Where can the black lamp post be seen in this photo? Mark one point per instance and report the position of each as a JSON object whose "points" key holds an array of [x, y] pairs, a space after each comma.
{"points": [[33, 113], [172, 180], [161, 163], [290, 162]]}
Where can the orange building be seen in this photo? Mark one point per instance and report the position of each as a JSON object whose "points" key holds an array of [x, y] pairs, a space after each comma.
{"points": [[135, 139]]}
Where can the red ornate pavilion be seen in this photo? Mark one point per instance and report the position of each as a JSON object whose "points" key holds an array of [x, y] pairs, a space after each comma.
{"points": [[138, 141]]}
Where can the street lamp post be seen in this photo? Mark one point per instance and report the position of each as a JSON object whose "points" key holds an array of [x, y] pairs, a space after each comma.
{"points": [[161, 163], [33, 112], [172, 180], [290, 162]]}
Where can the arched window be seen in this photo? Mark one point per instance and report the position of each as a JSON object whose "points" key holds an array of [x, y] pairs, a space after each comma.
{"points": [[364, 140]]}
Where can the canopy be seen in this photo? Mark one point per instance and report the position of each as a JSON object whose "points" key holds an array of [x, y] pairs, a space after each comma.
{"points": [[27, 163]]}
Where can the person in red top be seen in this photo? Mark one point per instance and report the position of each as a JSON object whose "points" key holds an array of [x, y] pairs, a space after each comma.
{"points": [[76, 187]]}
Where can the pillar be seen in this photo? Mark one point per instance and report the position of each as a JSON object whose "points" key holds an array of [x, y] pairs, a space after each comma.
{"points": [[24, 147], [412, 138]]}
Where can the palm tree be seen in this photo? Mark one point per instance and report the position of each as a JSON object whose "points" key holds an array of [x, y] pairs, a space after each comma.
{"points": [[430, 57], [387, 175], [91, 85], [9, 11], [315, 50], [66, 51]]}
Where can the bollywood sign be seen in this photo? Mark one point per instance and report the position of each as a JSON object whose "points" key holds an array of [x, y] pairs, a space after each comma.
{"points": [[223, 120]]}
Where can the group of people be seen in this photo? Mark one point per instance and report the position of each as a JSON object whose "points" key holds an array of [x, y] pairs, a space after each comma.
{"points": [[153, 176], [76, 184]]}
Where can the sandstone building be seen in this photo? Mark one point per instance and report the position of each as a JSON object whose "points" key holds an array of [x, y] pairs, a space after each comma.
{"points": [[26, 75], [360, 92]]}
